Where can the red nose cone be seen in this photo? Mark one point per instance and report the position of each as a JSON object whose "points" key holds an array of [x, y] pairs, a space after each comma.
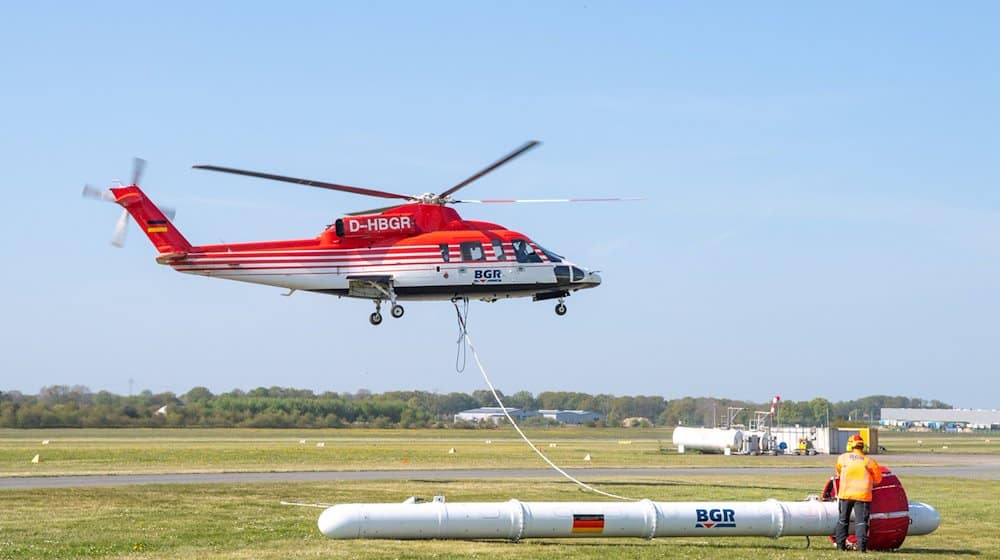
{"points": [[890, 518]]}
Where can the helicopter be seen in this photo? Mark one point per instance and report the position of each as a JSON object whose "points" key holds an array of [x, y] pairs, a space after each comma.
{"points": [[417, 249]]}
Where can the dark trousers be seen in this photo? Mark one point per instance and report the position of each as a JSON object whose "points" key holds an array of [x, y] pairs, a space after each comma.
{"points": [[862, 511]]}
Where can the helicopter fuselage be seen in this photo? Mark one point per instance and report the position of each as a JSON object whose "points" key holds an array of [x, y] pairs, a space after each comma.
{"points": [[487, 264]]}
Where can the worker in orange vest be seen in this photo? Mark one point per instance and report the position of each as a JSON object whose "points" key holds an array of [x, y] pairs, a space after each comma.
{"points": [[858, 474]]}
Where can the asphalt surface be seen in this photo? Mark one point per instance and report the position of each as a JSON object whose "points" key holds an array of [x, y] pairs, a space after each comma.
{"points": [[965, 467]]}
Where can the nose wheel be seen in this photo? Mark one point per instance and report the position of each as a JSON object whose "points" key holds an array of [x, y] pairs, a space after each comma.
{"points": [[560, 308], [376, 317], [397, 311]]}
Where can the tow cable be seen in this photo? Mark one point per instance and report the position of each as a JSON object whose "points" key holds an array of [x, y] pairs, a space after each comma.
{"points": [[465, 342]]}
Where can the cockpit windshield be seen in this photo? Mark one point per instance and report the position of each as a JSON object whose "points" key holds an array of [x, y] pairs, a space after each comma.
{"points": [[552, 256]]}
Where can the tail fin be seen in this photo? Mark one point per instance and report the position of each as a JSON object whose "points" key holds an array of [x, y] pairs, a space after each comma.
{"points": [[154, 223]]}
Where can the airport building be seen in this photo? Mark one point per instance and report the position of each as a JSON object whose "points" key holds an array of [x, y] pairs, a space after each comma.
{"points": [[952, 419], [495, 414], [571, 416]]}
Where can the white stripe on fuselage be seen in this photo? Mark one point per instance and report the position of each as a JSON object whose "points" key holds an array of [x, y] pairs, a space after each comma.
{"points": [[411, 267], [517, 276]]}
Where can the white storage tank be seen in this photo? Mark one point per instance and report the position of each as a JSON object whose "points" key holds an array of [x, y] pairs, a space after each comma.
{"points": [[707, 440]]}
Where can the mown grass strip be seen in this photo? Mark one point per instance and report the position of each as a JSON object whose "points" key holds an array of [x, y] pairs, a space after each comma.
{"points": [[247, 521]]}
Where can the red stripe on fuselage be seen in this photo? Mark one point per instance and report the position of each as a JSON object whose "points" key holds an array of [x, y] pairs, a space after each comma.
{"points": [[431, 266]]}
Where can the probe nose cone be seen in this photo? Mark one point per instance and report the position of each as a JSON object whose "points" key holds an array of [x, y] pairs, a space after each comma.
{"points": [[593, 278], [924, 519], [340, 522]]}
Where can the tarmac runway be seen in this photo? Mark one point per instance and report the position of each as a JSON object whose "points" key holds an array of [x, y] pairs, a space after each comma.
{"points": [[957, 466]]}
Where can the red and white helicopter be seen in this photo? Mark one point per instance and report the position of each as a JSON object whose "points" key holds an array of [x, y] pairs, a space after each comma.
{"points": [[419, 249]]}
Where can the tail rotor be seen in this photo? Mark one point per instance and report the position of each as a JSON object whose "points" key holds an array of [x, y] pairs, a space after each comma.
{"points": [[121, 226]]}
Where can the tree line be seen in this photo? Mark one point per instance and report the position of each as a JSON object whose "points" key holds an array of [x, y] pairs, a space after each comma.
{"points": [[64, 406]]}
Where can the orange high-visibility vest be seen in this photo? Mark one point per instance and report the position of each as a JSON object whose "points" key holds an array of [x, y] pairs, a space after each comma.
{"points": [[858, 473]]}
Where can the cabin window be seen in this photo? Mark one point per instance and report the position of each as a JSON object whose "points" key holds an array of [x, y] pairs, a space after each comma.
{"points": [[498, 250], [577, 274], [445, 255], [472, 251], [524, 253]]}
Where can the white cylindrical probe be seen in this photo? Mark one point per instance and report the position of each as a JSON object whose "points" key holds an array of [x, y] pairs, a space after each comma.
{"points": [[515, 520]]}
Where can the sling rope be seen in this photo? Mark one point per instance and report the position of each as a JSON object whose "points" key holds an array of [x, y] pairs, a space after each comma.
{"points": [[464, 337]]}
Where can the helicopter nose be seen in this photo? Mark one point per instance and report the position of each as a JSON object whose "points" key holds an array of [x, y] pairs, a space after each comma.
{"points": [[592, 278]]}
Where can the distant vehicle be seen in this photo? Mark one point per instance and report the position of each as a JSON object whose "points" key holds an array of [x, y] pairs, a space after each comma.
{"points": [[805, 447]]}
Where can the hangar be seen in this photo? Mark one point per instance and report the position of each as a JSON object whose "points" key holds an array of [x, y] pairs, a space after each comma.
{"points": [[941, 418], [495, 414]]}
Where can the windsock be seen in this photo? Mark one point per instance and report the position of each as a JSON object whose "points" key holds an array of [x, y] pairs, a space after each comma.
{"points": [[774, 403]]}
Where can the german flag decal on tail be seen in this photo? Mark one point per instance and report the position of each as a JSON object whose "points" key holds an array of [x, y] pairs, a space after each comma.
{"points": [[156, 226], [588, 522]]}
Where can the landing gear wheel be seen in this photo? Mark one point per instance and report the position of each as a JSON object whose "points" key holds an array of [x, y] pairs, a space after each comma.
{"points": [[560, 309], [375, 318], [397, 311]]}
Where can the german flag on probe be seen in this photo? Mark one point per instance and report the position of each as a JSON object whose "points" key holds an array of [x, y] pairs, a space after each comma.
{"points": [[156, 226], [588, 523]]}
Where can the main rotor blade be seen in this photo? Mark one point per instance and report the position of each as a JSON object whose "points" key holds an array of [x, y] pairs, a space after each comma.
{"points": [[520, 200], [524, 148], [306, 182], [372, 210]]}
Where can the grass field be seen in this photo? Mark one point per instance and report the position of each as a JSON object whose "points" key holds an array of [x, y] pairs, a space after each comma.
{"points": [[215, 450], [247, 521], [984, 443], [143, 451]]}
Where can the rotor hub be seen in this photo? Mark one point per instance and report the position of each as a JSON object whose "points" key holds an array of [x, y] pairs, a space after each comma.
{"points": [[430, 198]]}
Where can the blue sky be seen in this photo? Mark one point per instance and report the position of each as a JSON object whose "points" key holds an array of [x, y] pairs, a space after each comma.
{"points": [[821, 213]]}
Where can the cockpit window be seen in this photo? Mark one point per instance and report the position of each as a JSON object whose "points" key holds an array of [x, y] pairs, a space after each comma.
{"points": [[472, 251], [552, 256], [524, 253], [498, 250]]}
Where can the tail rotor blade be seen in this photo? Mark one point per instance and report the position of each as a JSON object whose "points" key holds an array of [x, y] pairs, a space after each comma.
{"points": [[121, 228], [97, 194], [138, 166], [168, 212]]}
